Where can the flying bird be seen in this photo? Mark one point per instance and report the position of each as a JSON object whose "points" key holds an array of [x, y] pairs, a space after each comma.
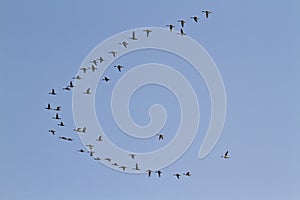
{"points": [[149, 172], [171, 27], [160, 136], [207, 12], [93, 68], [136, 167], [105, 79], [182, 22], [77, 130], [100, 138], [88, 91], [101, 59], [94, 62], [84, 130], [77, 77], [52, 92], [225, 155], [133, 37], [58, 108], [159, 173], [84, 69], [89, 146], [71, 84], [148, 31], [108, 159], [91, 153], [97, 158], [81, 150], [52, 131], [181, 32], [48, 107], [125, 44], [187, 174], [61, 124], [114, 164], [65, 138], [119, 67], [195, 18], [67, 88], [132, 156], [177, 175], [56, 116], [123, 168], [113, 53]]}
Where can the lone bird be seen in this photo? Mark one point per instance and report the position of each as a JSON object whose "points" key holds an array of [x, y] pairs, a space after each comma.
{"points": [[113, 53], [148, 31], [52, 92], [56, 116], [159, 173], [187, 174], [136, 167], [58, 108], [207, 12], [132, 156], [105, 79], [225, 155], [84, 69], [133, 37], [61, 124], [195, 18], [171, 27], [160, 136], [119, 67], [177, 175], [48, 107], [88, 91], [182, 22], [123, 168], [52, 131], [100, 138], [101, 59], [125, 44]]}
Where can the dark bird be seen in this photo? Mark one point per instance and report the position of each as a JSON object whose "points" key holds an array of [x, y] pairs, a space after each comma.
{"points": [[187, 174], [94, 62], [65, 138], [81, 150], [125, 44], [88, 91], [105, 79], [71, 84], [58, 108], [133, 37], [207, 12], [148, 31], [113, 53], [77, 77], [181, 32], [77, 130], [93, 68], [69, 139], [108, 159], [89, 146], [115, 164], [195, 18], [84, 130], [149, 172], [84, 69], [101, 59], [182, 22], [48, 107], [171, 27], [119, 67], [100, 138], [136, 167], [56, 116], [123, 168], [225, 155], [67, 88], [52, 131], [160, 136], [132, 156], [91, 153], [97, 158], [177, 175], [52, 92], [159, 173], [61, 124]]}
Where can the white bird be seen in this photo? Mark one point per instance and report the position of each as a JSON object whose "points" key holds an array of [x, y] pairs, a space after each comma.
{"points": [[133, 37], [77, 130], [108, 159]]}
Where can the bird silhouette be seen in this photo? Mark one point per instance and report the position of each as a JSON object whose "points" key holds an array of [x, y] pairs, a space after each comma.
{"points": [[119, 67], [123, 168], [67, 88], [77, 77], [84, 69], [90, 146], [182, 22], [160, 136], [149, 172], [125, 44], [56, 116], [93, 68], [94, 62], [100, 138], [88, 91], [52, 131], [71, 85], [58, 108], [84, 130], [97, 158], [207, 12], [195, 18], [91, 153], [159, 173], [65, 138], [113, 53], [181, 32], [52, 92], [81, 150], [225, 155], [115, 164], [105, 79], [48, 107], [107, 159], [133, 37], [132, 156], [136, 167], [101, 59], [187, 174], [177, 175], [148, 31], [77, 130], [171, 27], [61, 124]]}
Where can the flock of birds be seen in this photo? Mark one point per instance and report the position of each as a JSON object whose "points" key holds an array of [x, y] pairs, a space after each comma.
{"points": [[93, 68]]}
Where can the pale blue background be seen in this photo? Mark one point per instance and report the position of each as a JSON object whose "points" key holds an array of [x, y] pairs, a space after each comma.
{"points": [[256, 47]]}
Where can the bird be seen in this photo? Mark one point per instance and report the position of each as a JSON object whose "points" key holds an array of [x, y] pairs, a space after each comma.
{"points": [[88, 91], [52, 131], [101, 59], [61, 124], [84, 69], [71, 85], [160, 136], [91, 153], [187, 174], [181, 32], [77, 77], [148, 31], [105, 79], [159, 173], [207, 12], [108, 159], [48, 107], [100, 138], [84, 130], [58, 108], [123, 168], [93, 68], [182, 22], [52, 92], [97, 158], [69, 139], [81, 150], [133, 37], [177, 175], [136, 167], [125, 44], [67, 88], [195, 18], [113, 53], [89, 146], [132, 156], [56, 116], [149, 172], [94, 62], [171, 27], [225, 155], [77, 130], [114, 164], [119, 67], [65, 138]]}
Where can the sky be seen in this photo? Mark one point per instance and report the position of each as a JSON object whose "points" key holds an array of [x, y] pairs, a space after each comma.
{"points": [[255, 45]]}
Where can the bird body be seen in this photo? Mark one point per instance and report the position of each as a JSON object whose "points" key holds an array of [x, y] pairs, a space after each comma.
{"points": [[133, 37], [88, 91], [182, 22], [226, 156], [52, 92], [171, 27], [207, 12], [119, 67], [113, 53], [148, 31]]}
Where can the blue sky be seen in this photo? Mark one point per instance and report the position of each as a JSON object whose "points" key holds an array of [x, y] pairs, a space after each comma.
{"points": [[255, 45]]}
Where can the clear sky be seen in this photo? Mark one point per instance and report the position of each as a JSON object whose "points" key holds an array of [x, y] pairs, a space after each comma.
{"points": [[255, 45]]}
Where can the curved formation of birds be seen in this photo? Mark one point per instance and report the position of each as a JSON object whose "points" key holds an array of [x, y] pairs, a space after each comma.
{"points": [[93, 67]]}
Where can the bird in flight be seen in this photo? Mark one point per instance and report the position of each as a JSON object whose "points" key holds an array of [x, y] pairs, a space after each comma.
{"points": [[81, 150], [108, 159], [159, 173], [160, 136], [177, 175], [84, 69], [149, 172], [105, 79], [136, 167], [195, 18], [94, 62], [93, 68], [171, 27], [56, 116], [89, 146], [123, 168], [225, 155], [48, 107], [77, 130], [67, 88], [97, 158], [181, 32], [65, 138], [84, 130], [77, 77], [133, 37], [132, 156], [125, 44], [187, 174], [52, 92], [99, 138], [182, 22], [115, 164], [71, 85], [101, 59], [61, 124], [91, 153], [58, 108], [88, 91], [148, 31], [52, 131], [119, 67], [207, 12], [113, 53]]}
